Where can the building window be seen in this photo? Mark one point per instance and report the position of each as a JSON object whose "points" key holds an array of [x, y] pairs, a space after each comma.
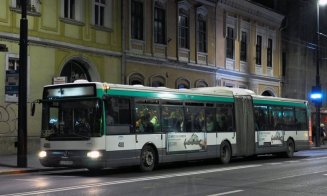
{"points": [[75, 70], [159, 24], [183, 29], [244, 46], [137, 20], [182, 83], [102, 12], [72, 10], [202, 33], [157, 81], [269, 53], [69, 9], [258, 50], [230, 43], [201, 83], [31, 5], [136, 78], [99, 12]]}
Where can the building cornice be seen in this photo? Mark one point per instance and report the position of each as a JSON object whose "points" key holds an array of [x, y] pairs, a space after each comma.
{"points": [[170, 63], [59, 44], [251, 10], [253, 77]]}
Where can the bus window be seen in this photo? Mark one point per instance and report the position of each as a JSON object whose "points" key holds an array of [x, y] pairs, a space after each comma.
{"points": [[147, 118], [211, 123], [118, 118], [194, 119], [289, 118], [277, 118], [224, 117], [261, 118], [172, 118], [301, 119]]}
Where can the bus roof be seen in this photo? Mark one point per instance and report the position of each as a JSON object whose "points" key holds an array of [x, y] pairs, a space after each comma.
{"points": [[202, 93], [259, 99]]}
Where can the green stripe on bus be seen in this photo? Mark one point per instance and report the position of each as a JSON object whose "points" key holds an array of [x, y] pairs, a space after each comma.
{"points": [[281, 103], [164, 95]]}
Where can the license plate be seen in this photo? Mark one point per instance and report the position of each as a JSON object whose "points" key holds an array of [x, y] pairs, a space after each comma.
{"points": [[66, 162]]}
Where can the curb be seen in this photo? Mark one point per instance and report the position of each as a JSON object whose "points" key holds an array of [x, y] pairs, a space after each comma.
{"points": [[29, 170]]}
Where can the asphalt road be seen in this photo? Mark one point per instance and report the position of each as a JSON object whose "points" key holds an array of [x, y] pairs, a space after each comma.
{"points": [[305, 174]]}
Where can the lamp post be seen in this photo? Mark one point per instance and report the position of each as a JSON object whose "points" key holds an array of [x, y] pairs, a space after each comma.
{"points": [[22, 120], [316, 94]]}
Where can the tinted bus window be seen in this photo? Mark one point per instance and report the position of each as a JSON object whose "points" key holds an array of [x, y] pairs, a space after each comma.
{"points": [[172, 118], [194, 119], [147, 119], [289, 118], [301, 119], [277, 120], [225, 117], [261, 118], [118, 115], [211, 122]]}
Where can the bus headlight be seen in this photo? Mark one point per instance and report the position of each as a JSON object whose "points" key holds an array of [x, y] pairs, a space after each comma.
{"points": [[42, 154], [93, 154]]}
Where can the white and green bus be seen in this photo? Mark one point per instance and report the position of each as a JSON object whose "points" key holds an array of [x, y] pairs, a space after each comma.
{"points": [[99, 125]]}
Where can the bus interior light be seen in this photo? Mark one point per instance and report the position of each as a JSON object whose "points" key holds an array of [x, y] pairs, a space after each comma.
{"points": [[94, 154]]}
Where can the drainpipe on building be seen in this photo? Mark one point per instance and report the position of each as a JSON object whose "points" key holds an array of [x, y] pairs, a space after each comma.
{"points": [[123, 40]]}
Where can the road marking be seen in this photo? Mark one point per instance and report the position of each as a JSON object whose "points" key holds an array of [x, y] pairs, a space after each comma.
{"points": [[318, 158], [278, 163], [227, 193], [29, 180], [182, 174], [293, 176], [292, 161]]}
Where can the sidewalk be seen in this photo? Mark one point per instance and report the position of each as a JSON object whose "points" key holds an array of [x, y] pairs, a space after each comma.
{"points": [[8, 163]]}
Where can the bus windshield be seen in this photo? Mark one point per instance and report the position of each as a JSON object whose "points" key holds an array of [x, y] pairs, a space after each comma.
{"points": [[71, 119]]}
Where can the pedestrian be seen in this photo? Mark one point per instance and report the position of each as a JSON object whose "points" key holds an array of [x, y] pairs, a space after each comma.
{"points": [[322, 133]]}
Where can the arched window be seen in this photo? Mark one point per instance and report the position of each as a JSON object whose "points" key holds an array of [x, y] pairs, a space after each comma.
{"points": [[136, 78], [75, 70], [157, 81], [182, 83], [267, 93], [200, 83]]}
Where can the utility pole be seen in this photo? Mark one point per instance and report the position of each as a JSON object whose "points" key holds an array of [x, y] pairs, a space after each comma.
{"points": [[22, 98]]}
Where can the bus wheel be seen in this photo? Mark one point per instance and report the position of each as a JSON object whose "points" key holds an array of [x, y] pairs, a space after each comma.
{"points": [[225, 153], [290, 148], [148, 159]]}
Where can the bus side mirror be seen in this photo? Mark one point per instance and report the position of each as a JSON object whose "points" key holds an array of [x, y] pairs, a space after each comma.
{"points": [[33, 106]]}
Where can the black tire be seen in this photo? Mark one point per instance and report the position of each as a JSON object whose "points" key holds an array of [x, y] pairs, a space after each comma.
{"points": [[290, 148], [148, 159], [225, 153]]}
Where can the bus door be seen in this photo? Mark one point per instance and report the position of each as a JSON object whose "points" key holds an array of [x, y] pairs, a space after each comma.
{"points": [[147, 124], [120, 139], [245, 131], [173, 123]]}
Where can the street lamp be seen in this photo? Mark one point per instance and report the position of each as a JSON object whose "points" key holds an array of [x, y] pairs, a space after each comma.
{"points": [[316, 94]]}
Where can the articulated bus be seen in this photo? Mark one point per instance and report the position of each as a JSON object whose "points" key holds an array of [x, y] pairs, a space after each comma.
{"points": [[99, 125]]}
